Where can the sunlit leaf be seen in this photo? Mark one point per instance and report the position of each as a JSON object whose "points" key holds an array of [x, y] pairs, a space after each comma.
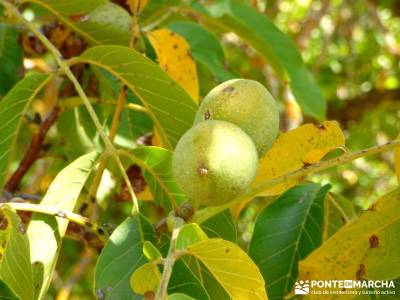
{"points": [[156, 164], [150, 251], [230, 265], [137, 6], [12, 109], [145, 279], [175, 58], [97, 21], [205, 48], [15, 264], [285, 232], [292, 150], [188, 235], [276, 47], [46, 232], [170, 107], [120, 257], [366, 248]]}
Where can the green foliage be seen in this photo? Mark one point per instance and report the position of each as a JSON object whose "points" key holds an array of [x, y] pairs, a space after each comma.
{"points": [[286, 232], [126, 80]]}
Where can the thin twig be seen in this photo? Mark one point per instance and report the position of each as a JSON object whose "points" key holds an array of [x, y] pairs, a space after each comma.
{"points": [[206, 213], [55, 211], [32, 152], [169, 261]]}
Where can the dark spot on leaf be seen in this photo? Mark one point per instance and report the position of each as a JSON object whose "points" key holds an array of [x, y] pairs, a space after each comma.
{"points": [[320, 126], [189, 53], [172, 33], [226, 250], [203, 171], [4, 244], [100, 231], [1, 256], [306, 164], [175, 46], [83, 207], [3, 222], [207, 115], [92, 199], [374, 241], [88, 224], [372, 207], [360, 272], [228, 89]]}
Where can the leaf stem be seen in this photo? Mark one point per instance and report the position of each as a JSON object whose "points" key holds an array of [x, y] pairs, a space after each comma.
{"points": [[169, 261], [56, 212], [67, 71], [208, 212]]}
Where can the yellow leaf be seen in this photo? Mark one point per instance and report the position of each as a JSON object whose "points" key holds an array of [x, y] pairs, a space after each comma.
{"points": [[136, 5], [145, 195], [174, 57], [231, 267], [145, 279], [292, 150], [367, 248]]}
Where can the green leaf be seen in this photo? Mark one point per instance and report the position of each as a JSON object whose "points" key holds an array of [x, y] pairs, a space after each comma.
{"points": [[275, 46], [15, 264], [221, 226], [205, 48], [6, 293], [10, 57], [366, 248], [97, 21], [120, 257], [156, 164], [150, 251], [170, 107], [190, 234], [145, 279], [337, 212], [285, 232], [12, 109], [230, 265], [46, 232], [179, 296], [184, 280]]}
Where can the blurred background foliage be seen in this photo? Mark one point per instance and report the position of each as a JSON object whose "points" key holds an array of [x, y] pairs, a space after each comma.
{"points": [[352, 49]]}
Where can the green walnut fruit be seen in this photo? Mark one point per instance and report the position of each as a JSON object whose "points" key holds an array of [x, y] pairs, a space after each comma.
{"points": [[214, 162], [247, 104]]}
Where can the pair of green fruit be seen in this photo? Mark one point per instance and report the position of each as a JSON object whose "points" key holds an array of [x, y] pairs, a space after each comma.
{"points": [[217, 159]]}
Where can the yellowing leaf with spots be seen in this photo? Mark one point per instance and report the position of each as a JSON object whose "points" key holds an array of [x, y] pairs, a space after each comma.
{"points": [[292, 150], [174, 57], [15, 264], [136, 5], [367, 248], [231, 267]]}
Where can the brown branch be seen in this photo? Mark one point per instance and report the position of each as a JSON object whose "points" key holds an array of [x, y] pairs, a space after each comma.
{"points": [[311, 22], [356, 108], [32, 153]]}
